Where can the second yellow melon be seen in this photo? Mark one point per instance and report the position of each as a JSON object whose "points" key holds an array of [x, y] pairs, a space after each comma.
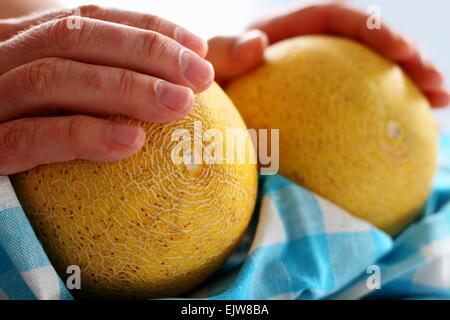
{"points": [[353, 126]]}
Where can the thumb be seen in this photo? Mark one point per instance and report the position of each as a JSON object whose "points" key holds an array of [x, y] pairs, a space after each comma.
{"points": [[233, 56]]}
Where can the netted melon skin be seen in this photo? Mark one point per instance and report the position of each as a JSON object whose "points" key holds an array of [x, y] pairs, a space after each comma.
{"points": [[143, 227], [353, 126]]}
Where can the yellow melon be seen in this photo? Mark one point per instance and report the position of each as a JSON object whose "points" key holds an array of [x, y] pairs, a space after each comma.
{"points": [[353, 127], [146, 226]]}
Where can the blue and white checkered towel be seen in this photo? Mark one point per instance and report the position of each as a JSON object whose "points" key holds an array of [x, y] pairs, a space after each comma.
{"points": [[299, 246]]}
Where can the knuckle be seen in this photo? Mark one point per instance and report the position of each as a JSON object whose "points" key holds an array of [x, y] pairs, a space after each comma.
{"points": [[126, 84], [40, 76], [144, 42], [74, 132], [66, 34], [152, 22], [61, 35], [58, 33], [153, 45], [15, 138]]}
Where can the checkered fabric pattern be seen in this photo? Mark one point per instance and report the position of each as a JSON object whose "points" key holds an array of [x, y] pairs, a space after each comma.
{"points": [[299, 246]]}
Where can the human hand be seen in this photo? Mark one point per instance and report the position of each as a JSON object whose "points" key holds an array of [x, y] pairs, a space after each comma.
{"points": [[232, 56], [148, 69]]}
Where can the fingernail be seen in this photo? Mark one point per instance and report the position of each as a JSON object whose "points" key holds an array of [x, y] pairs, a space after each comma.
{"points": [[126, 135], [197, 71], [174, 97], [191, 41], [251, 36]]}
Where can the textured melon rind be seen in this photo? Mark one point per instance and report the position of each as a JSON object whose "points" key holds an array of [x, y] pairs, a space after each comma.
{"points": [[143, 227]]}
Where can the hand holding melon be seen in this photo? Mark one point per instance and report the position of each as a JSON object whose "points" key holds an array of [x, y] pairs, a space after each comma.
{"points": [[144, 227]]}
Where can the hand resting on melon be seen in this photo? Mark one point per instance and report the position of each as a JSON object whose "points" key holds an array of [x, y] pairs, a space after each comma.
{"points": [[57, 74], [148, 70], [232, 56]]}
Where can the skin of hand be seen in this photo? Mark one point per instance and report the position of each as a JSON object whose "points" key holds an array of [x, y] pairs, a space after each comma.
{"points": [[232, 56], [147, 69], [19, 8]]}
